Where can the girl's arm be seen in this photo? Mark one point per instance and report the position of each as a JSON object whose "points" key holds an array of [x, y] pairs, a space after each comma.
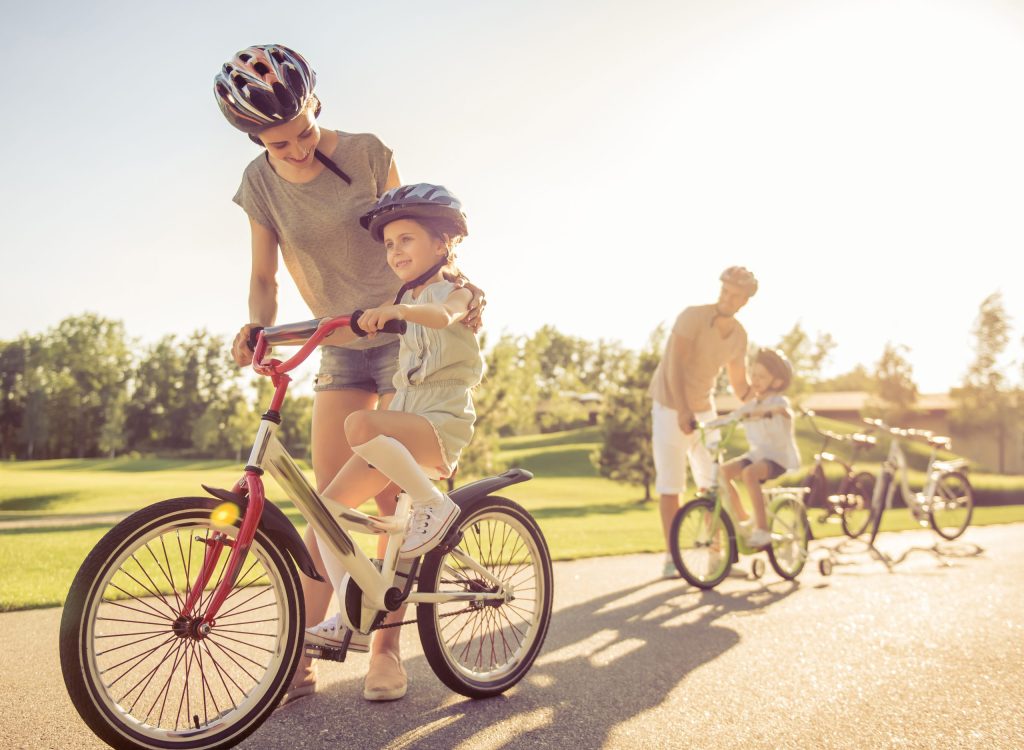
{"points": [[431, 315], [262, 289]]}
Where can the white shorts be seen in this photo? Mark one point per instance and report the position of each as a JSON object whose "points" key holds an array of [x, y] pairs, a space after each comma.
{"points": [[672, 448]]}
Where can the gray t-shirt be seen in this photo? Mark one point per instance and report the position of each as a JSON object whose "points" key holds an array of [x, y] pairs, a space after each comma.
{"points": [[336, 265]]}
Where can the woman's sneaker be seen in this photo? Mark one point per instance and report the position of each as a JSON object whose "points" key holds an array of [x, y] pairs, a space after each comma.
{"points": [[429, 523]]}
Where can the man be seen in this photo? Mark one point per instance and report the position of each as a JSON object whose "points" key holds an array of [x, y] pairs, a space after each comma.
{"points": [[704, 339]]}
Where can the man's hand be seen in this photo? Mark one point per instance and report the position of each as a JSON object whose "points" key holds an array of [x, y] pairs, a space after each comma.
{"points": [[687, 423]]}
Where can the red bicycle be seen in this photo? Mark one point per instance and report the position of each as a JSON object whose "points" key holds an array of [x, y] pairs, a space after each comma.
{"points": [[184, 625]]}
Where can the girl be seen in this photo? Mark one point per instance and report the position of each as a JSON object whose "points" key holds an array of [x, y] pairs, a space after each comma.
{"points": [[304, 194], [768, 423], [431, 418]]}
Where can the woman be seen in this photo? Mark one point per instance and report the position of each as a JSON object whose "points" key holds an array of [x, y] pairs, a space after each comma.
{"points": [[305, 195]]}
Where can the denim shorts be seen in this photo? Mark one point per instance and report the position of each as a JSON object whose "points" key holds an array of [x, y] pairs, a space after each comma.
{"points": [[370, 369]]}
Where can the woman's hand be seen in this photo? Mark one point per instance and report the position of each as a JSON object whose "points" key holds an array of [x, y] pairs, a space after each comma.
{"points": [[474, 317], [240, 350], [373, 320]]}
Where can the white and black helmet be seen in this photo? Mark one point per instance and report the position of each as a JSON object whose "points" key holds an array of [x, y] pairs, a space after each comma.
{"points": [[263, 86], [777, 364], [419, 201]]}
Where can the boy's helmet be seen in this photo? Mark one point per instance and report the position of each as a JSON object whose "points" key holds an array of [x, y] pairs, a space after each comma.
{"points": [[741, 277], [420, 201], [776, 363], [263, 86]]}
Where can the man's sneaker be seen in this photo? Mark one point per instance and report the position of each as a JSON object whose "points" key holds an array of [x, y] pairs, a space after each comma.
{"points": [[669, 569], [429, 523], [331, 634], [759, 538]]}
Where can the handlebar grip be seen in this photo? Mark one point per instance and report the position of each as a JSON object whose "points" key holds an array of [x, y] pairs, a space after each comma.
{"points": [[254, 333], [392, 326]]}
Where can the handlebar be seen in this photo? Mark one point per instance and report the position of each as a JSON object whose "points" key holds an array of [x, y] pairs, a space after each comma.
{"points": [[900, 431], [309, 334], [859, 439]]}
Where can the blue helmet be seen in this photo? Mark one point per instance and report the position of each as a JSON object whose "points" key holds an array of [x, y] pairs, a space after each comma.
{"points": [[420, 201]]}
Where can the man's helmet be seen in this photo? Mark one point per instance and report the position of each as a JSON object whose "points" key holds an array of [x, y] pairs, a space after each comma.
{"points": [[741, 277], [777, 364], [420, 201], [263, 86]]}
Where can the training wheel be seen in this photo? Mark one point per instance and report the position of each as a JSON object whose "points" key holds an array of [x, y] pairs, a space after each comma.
{"points": [[757, 568], [825, 566]]}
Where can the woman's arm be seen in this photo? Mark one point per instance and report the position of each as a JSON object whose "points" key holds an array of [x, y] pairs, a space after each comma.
{"points": [[262, 289]]}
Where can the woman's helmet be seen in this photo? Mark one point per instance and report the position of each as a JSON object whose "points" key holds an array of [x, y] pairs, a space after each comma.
{"points": [[263, 86], [777, 364], [420, 201], [741, 277]]}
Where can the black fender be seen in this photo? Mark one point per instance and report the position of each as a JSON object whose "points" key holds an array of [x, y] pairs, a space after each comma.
{"points": [[470, 494], [275, 524]]}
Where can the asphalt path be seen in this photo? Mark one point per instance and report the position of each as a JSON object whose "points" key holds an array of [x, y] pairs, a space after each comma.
{"points": [[928, 656]]}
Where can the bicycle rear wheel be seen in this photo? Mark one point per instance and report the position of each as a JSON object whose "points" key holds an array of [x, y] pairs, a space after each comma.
{"points": [[856, 493], [952, 505], [483, 648], [138, 673], [790, 531], [703, 543]]}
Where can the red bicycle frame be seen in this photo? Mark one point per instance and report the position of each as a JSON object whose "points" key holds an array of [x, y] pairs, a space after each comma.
{"points": [[251, 483]]}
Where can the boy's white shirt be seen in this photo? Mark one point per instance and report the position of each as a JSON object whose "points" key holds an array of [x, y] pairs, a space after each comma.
{"points": [[771, 438]]}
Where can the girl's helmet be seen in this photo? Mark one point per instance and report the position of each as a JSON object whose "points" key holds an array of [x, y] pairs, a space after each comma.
{"points": [[741, 277], [776, 363], [420, 201], [263, 86]]}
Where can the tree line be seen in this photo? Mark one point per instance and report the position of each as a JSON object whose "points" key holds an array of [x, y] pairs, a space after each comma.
{"points": [[85, 389]]}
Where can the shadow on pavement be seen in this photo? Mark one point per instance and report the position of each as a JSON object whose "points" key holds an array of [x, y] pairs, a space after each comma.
{"points": [[605, 661]]}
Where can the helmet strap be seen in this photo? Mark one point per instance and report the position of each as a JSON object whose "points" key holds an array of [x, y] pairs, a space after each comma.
{"points": [[420, 279], [332, 166]]}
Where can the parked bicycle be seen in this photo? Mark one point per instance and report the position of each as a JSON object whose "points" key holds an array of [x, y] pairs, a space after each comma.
{"points": [[184, 625], [850, 504], [703, 536], [946, 502]]}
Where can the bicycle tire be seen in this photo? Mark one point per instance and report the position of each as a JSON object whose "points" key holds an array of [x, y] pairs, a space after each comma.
{"points": [[130, 587], [953, 518], [790, 531], [482, 650], [703, 544], [857, 492]]}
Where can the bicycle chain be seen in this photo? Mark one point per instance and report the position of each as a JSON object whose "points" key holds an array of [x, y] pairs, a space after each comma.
{"points": [[412, 622]]}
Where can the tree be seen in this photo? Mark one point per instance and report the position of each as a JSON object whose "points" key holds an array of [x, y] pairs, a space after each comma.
{"points": [[894, 392], [806, 355], [987, 402], [857, 379], [625, 454]]}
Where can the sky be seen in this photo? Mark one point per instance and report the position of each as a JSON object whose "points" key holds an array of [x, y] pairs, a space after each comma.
{"points": [[863, 157]]}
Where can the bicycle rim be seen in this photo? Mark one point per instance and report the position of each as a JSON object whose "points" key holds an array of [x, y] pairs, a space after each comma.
{"points": [[149, 678], [483, 648], [702, 544], [788, 526], [952, 506]]}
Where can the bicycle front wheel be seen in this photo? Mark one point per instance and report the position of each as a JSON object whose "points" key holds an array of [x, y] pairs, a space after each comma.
{"points": [[952, 505], [139, 673], [703, 543], [856, 493], [790, 531], [482, 648]]}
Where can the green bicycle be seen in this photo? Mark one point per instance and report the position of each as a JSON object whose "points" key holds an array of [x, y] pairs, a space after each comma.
{"points": [[703, 536]]}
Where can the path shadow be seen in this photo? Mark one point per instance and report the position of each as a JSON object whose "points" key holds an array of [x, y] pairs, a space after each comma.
{"points": [[39, 503], [606, 660]]}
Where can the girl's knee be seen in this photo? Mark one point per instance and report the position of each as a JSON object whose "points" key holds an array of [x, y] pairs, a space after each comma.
{"points": [[750, 474], [359, 427]]}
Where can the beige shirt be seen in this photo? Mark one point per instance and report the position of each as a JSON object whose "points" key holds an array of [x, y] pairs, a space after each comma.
{"points": [[695, 378], [336, 265]]}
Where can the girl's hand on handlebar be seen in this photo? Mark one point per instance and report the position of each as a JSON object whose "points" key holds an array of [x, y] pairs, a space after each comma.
{"points": [[373, 320], [240, 350]]}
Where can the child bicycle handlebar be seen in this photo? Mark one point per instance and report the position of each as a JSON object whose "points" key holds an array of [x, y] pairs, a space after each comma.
{"points": [[308, 334]]}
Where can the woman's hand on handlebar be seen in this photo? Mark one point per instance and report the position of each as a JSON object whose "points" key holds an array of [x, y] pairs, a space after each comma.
{"points": [[475, 316], [373, 320], [240, 350]]}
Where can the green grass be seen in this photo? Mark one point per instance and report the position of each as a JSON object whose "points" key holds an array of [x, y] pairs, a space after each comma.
{"points": [[582, 515]]}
